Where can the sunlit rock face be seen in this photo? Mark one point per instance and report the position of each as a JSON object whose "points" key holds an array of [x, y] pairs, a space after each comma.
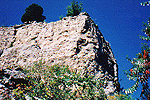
{"points": [[73, 41]]}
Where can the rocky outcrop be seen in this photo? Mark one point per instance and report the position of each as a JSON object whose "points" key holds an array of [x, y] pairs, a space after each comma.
{"points": [[7, 37], [73, 41]]}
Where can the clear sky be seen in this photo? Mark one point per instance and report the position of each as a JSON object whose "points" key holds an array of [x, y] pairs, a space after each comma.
{"points": [[120, 21]]}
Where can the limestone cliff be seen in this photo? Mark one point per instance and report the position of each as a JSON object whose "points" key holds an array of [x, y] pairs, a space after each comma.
{"points": [[73, 41]]}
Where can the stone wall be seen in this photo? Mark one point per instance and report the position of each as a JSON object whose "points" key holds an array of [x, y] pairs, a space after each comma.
{"points": [[73, 41]]}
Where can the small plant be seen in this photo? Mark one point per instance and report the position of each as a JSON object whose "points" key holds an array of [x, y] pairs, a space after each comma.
{"points": [[74, 9], [61, 17], [11, 44]]}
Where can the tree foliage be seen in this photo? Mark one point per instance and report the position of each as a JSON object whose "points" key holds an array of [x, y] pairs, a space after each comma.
{"points": [[74, 9], [33, 13], [140, 72], [145, 3]]}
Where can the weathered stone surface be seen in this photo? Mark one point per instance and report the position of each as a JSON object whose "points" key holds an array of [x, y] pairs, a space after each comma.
{"points": [[73, 41], [6, 38]]}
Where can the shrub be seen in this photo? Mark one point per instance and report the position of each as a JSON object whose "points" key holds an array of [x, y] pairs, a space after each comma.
{"points": [[33, 13], [74, 9], [58, 82]]}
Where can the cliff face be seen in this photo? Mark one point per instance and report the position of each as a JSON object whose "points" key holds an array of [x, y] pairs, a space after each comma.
{"points": [[73, 41]]}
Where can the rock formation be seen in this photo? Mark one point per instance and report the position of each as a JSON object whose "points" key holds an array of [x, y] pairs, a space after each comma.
{"points": [[73, 41]]}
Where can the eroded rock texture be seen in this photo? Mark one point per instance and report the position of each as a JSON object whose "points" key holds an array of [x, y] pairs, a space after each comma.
{"points": [[73, 41]]}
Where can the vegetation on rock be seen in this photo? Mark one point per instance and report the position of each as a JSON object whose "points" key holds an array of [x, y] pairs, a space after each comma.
{"points": [[59, 82], [61, 17], [74, 9], [33, 13]]}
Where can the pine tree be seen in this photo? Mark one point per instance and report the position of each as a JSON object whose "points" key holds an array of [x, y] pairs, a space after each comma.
{"points": [[74, 9]]}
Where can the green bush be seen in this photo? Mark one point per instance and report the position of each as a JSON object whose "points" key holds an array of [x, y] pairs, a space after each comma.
{"points": [[74, 9], [33, 13], [58, 82]]}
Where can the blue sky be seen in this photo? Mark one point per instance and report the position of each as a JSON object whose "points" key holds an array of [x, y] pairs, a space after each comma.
{"points": [[120, 21]]}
